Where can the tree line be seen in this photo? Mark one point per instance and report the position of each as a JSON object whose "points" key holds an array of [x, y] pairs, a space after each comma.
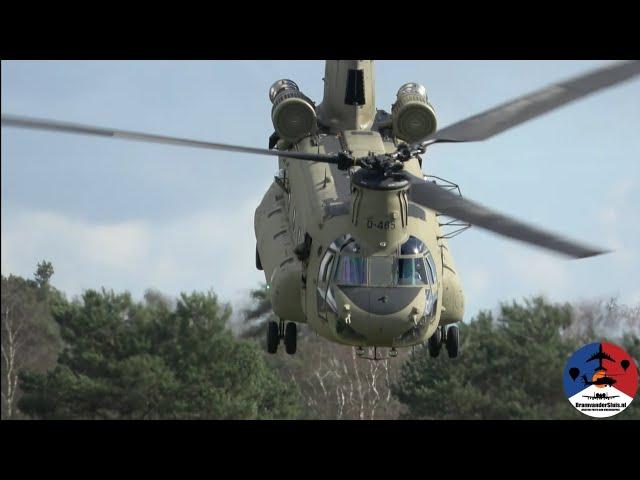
{"points": [[105, 355]]}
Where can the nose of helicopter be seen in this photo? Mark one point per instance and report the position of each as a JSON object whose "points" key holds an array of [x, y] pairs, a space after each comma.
{"points": [[378, 314]]}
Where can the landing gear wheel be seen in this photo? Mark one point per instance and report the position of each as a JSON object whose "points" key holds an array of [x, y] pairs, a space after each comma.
{"points": [[453, 337], [435, 343], [290, 338], [273, 337]]}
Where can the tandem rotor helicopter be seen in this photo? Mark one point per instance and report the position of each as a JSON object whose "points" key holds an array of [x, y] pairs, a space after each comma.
{"points": [[351, 235]]}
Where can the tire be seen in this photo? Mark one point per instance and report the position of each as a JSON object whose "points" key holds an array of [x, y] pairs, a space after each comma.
{"points": [[290, 338], [273, 337], [258, 262], [453, 341], [435, 343]]}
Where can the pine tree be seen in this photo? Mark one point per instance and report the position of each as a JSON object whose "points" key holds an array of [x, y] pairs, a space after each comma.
{"points": [[136, 360], [510, 367]]}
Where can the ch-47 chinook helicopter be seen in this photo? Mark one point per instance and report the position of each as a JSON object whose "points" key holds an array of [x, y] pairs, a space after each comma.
{"points": [[349, 235]]}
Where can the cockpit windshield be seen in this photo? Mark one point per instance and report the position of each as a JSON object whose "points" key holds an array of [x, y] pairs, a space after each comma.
{"points": [[351, 271], [412, 271], [413, 267]]}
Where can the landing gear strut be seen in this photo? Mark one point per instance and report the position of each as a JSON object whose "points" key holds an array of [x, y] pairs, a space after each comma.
{"points": [[277, 331]]}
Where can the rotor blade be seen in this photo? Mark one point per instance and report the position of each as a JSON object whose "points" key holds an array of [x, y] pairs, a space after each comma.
{"points": [[515, 112], [58, 126], [436, 198]]}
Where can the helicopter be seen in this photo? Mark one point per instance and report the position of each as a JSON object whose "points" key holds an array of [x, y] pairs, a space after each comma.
{"points": [[600, 381], [349, 234]]}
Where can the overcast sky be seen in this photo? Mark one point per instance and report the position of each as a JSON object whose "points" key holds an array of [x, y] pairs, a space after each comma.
{"points": [[132, 216]]}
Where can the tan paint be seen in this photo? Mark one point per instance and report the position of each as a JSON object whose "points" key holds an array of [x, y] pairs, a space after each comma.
{"points": [[317, 199], [333, 112]]}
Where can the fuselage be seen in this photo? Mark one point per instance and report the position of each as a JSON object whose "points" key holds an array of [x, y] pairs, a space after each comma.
{"points": [[395, 297]]}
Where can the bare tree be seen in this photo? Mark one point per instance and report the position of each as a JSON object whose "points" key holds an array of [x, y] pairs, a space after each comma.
{"points": [[603, 318], [30, 339], [334, 383], [11, 326]]}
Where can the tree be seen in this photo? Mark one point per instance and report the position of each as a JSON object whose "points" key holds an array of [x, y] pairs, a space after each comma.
{"points": [[30, 337], [146, 360], [509, 368], [44, 272], [607, 320], [332, 383]]}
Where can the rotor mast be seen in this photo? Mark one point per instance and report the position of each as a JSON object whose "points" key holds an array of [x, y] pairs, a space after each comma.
{"points": [[349, 95]]}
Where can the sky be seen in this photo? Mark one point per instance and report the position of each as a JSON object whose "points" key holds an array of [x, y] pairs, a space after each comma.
{"points": [[131, 216]]}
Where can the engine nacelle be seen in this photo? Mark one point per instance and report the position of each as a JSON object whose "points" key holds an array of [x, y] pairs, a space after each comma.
{"points": [[413, 116], [293, 114]]}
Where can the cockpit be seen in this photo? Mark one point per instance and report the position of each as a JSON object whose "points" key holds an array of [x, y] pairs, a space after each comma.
{"points": [[401, 285], [413, 266]]}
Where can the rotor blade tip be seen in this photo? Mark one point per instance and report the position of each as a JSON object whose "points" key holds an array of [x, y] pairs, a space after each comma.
{"points": [[594, 253]]}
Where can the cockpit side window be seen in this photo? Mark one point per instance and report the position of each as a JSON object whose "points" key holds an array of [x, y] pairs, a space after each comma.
{"points": [[326, 268], [324, 272], [431, 267], [324, 275]]}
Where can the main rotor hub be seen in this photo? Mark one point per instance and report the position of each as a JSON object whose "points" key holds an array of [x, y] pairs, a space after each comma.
{"points": [[376, 179]]}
